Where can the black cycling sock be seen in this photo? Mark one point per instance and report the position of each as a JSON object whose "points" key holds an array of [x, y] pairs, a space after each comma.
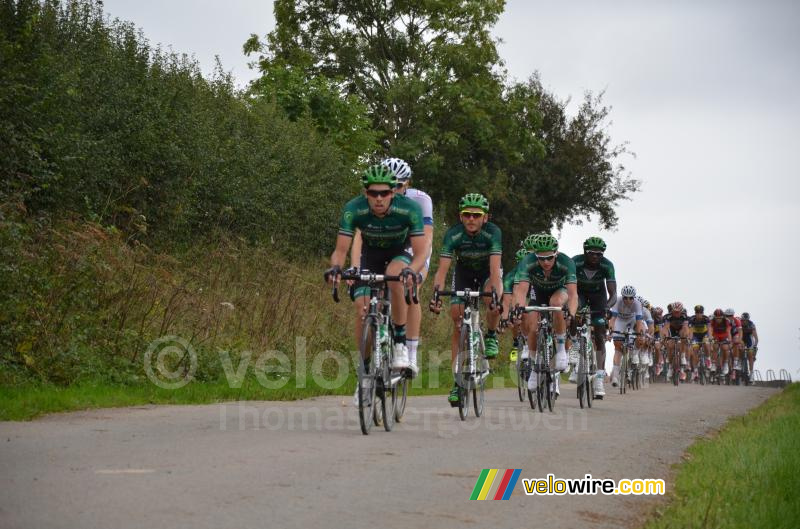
{"points": [[400, 334], [491, 333], [517, 342]]}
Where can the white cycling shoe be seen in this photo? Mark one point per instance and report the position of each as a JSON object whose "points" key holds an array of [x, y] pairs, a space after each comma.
{"points": [[400, 360], [561, 361]]}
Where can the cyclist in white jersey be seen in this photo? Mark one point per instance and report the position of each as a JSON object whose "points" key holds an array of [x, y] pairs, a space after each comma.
{"points": [[403, 173], [644, 353], [626, 312]]}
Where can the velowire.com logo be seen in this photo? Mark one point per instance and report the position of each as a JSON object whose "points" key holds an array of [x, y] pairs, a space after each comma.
{"points": [[496, 484]]}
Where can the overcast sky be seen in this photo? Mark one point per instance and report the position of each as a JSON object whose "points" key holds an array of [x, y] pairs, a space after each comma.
{"points": [[705, 93]]}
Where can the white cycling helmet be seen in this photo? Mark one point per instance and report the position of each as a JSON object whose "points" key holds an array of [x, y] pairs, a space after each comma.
{"points": [[628, 291], [400, 169], [729, 312]]}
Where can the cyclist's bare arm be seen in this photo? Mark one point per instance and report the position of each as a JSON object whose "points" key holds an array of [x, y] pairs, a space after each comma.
{"points": [[521, 293], [340, 253], [428, 240], [611, 286], [572, 298], [418, 247], [495, 278], [355, 251], [441, 273]]}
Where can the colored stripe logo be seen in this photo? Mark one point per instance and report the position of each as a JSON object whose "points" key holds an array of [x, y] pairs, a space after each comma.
{"points": [[496, 484]]}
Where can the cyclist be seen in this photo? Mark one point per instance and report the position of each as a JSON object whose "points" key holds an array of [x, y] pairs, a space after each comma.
{"points": [[676, 323], [750, 338], [551, 274], [477, 246], [389, 223], [627, 311], [701, 335], [597, 287], [721, 332], [649, 322], [402, 171], [736, 337], [508, 296], [658, 322]]}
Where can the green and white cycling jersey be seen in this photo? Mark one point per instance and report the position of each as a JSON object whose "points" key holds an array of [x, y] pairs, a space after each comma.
{"points": [[402, 220], [590, 281], [508, 279], [562, 273], [472, 252]]}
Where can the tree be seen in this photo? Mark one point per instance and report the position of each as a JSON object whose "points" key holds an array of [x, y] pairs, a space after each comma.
{"points": [[427, 72]]}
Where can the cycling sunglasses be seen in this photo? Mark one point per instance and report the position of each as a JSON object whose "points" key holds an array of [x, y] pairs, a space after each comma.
{"points": [[546, 257], [382, 193], [628, 298], [471, 214], [594, 252]]}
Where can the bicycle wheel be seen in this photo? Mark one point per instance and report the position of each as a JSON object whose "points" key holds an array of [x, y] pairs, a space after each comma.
{"points": [[539, 367], [478, 395], [367, 387], [522, 382], [623, 371], [550, 386], [676, 366], [583, 391], [462, 375], [402, 397]]}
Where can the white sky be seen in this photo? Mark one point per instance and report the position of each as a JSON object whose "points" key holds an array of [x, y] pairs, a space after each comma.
{"points": [[704, 92]]}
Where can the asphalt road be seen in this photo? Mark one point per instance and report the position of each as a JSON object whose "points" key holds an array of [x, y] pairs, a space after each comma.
{"points": [[306, 463]]}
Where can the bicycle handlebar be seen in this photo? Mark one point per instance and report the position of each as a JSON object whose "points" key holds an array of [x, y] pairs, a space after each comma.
{"points": [[371, 279]]}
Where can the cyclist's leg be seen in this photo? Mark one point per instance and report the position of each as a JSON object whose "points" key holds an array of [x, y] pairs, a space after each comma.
{"points": [[413, 327], [492, 322], [559, 299]]}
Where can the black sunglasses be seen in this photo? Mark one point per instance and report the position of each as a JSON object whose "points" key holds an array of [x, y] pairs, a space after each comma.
{"points": [[546, 257], [375, 194], [594, 252], [627, 297]]}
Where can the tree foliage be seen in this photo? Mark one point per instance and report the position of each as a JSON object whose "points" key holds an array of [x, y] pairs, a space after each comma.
{"points": [[97, 122], [431, 79]]}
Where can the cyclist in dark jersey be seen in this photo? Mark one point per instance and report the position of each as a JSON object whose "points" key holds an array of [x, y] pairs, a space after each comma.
{"points": [[701, 337], [750, 337], [508, 295], [658, 323], [388, 223], [596, 277], [477, 246], [676, 323], [552, 276]]}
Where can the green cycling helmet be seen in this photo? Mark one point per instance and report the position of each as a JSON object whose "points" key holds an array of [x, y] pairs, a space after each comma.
{"points": [[594, 242], [379, 174], [527, 242], [520, 255], [544, 242], [474, 200]]}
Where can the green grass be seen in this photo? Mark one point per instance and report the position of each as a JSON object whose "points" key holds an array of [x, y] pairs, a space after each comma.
{"points": [[746, 476]]}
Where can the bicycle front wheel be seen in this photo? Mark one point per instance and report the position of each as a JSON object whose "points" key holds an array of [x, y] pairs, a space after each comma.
{"points": [[367, 387], [463, 376], [402, 397]]}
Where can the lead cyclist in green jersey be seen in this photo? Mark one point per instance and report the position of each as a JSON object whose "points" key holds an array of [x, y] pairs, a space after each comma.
{"points": [[388, 223]]}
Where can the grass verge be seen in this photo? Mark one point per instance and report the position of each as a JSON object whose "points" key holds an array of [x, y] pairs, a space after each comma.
{"points": [[745, 476]]}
